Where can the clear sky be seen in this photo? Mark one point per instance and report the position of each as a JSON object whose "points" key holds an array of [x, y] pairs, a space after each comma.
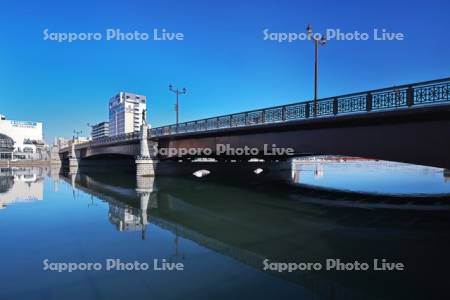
{"points": [[223, 61]]}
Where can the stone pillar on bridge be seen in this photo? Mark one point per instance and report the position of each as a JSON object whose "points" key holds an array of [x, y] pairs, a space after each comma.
{"points": [[145, 164], [73, 160], [55, 158]]}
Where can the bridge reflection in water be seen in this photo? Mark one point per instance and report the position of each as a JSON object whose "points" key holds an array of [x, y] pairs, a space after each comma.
{"points": [[253, 222], [371, 176]]}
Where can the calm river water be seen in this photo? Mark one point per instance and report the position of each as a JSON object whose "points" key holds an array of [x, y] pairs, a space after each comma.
{"points": [[223, 233]]}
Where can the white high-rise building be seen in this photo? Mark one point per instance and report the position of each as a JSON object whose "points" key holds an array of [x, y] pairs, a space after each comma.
{"points": [[125, 113]]}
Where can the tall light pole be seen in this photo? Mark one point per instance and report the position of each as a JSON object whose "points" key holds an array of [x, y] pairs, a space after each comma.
{"points": [[77, 134], [177, 92], [92, 127], [317, 41]]}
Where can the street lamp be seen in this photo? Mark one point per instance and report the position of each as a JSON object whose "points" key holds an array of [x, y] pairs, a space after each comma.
{"points": [[177, 92], [77, 134], [92, 128], [317, 40]]}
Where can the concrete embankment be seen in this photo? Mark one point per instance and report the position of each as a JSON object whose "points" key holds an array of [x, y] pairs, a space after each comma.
{"points": [[24, 163]]}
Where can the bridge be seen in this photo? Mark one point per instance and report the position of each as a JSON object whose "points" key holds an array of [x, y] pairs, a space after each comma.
{"points": [[407, 123]]}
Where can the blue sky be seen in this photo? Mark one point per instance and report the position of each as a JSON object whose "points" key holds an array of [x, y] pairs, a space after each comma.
{"points": [[223, 60]]}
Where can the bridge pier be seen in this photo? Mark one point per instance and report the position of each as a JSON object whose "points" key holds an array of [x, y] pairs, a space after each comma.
{"points": [[55, 158], [145, 164], [145, 167], [144, 190], [73, 159], [55, 170], [73, 178], [73, 163]]}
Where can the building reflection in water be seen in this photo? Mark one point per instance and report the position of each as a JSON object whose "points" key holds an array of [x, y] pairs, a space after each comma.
{"points": [[123, 210], [128, 218], [21, 185], [125, 218]]}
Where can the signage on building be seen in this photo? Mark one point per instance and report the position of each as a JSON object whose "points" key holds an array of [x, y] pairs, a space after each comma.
{"points": [[23, 124]]}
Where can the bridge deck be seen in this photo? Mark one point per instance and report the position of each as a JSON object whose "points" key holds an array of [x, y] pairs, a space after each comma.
{"points": [[387, 99]]}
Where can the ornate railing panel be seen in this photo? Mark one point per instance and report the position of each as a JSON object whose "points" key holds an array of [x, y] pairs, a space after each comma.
{"points": [[211, 123], [432, 93], [389, 99], [296, 111], [201, 126], [351, 104], [238, 120], [190, 127], [324, 107], [182, 128], [273, 115], [166, 130], [224, 122], [255, 117]]}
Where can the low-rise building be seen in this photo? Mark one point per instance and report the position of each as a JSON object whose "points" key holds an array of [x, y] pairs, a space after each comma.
{"points": [[100, 130], [6, 147], [27, 137]]}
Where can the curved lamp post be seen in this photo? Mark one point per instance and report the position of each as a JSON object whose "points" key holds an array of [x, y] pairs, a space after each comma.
{"points": [[317, 41], [177, 92]]}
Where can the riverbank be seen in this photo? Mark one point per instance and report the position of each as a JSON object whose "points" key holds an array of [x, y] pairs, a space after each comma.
{"points": [[24, 163]]}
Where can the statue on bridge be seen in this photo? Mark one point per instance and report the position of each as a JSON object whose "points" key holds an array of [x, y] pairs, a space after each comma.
{"points": [[143, 159], [144, 117]]}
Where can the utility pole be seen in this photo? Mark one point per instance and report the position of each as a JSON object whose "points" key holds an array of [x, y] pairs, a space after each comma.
{"points": [[177, 92]]}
